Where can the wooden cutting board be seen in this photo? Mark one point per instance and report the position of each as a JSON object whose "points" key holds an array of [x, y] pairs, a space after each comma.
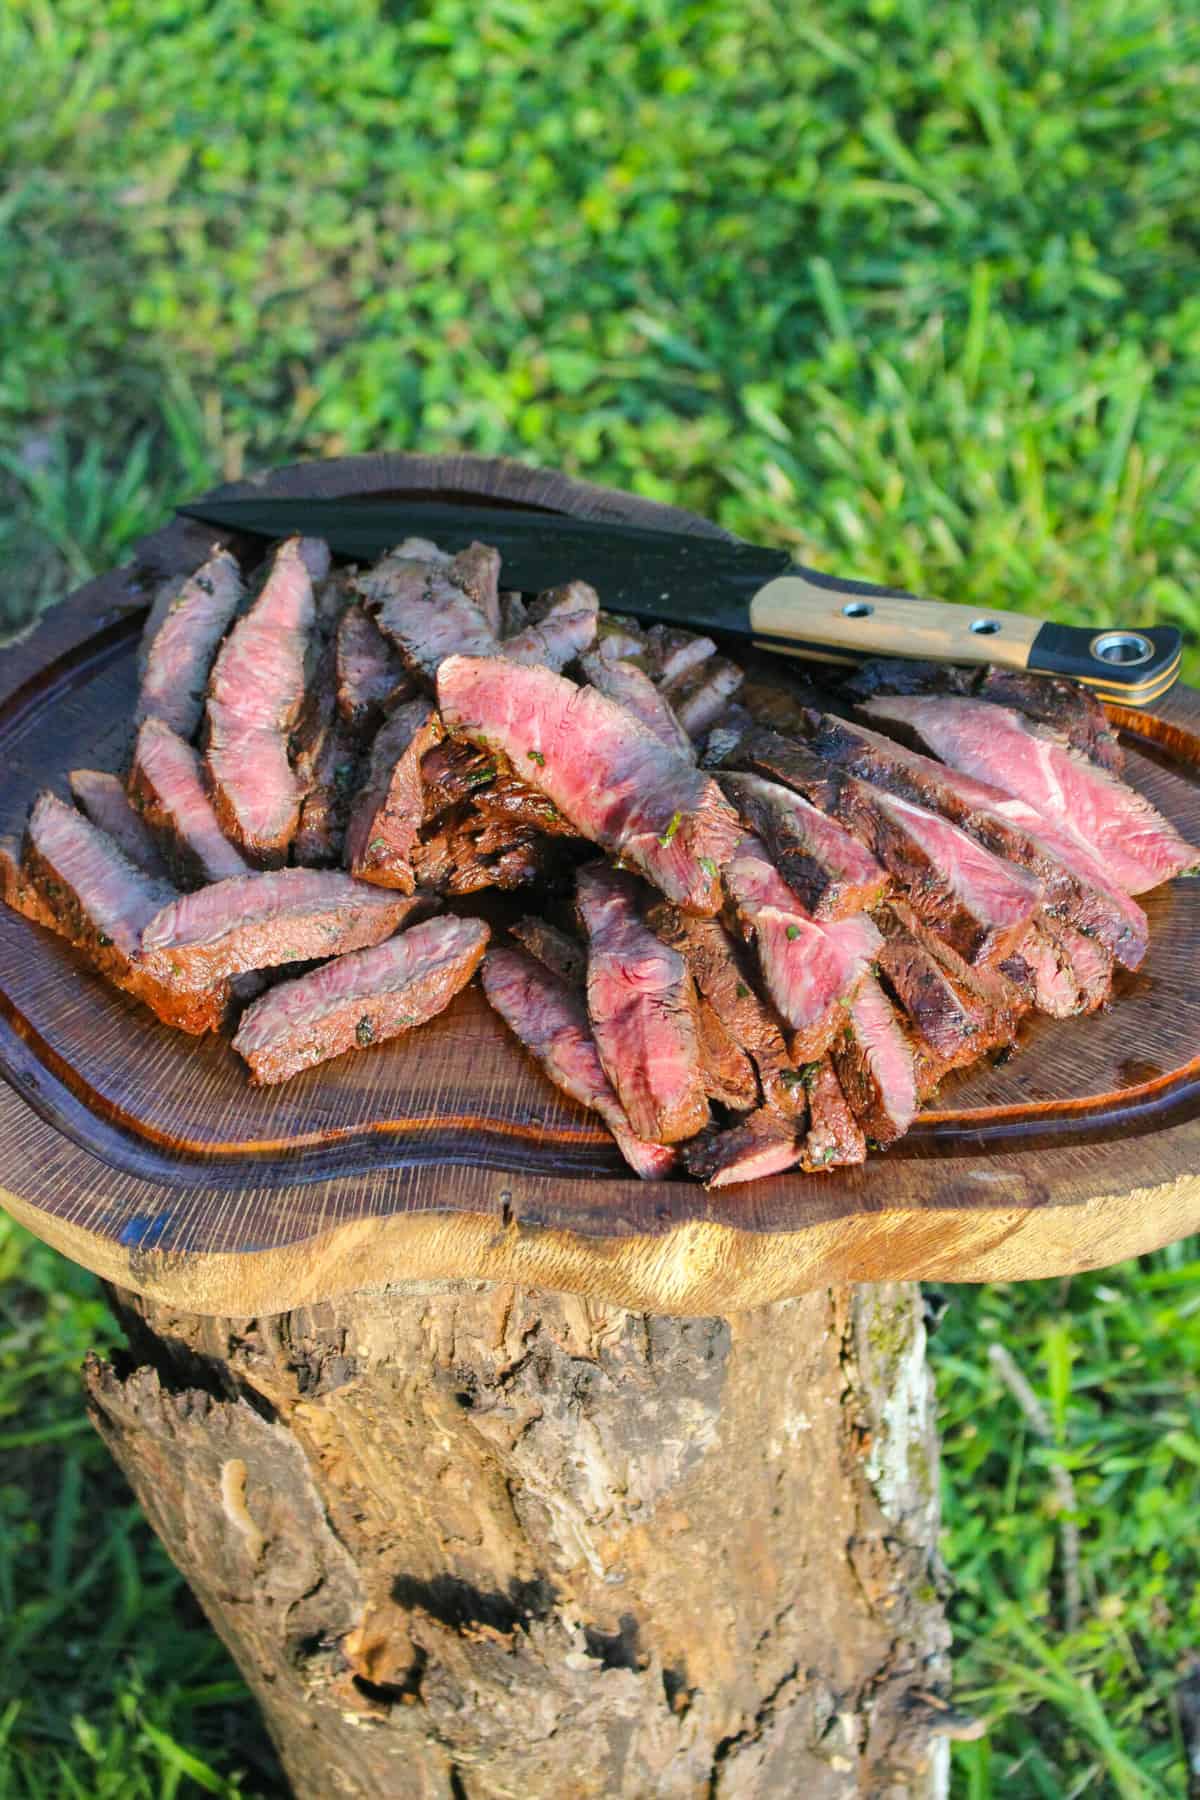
{"points": [[147, 1156]]}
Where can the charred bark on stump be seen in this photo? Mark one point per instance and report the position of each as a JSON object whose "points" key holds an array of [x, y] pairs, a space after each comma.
{"points": [[466, 1540]]}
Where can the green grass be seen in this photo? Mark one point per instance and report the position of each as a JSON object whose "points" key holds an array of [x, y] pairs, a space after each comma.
{"points": [[908, 288]]}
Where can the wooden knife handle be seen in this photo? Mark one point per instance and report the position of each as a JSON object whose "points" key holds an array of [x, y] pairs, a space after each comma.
{"points": [[815, 615]]}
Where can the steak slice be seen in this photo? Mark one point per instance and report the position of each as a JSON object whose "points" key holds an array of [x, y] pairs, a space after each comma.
{"points": [[564, 955], [104, 905], [1055, 989], [618, 638], [425, 613], [388, 811], [981, 906], [254, 699], [561, 625], [180, 641], [904, 675], [738, 743], [608, 776], [263, 920], [104, 801], [166, 786], [325, 810], [670, 652], [1065, 706], [360, 999], [551, 1020], [641, 1001], [875, 1066], [1077, 886], [830, 870], [1091, 965], [811, 970], [514, 614], [17, 891], [727, 1071], [623, 682], [1134, 843], [835, 1138], [700, 695], [952, 1023], [764, 1144], [715, 960], [368, 673], [476, 570]]}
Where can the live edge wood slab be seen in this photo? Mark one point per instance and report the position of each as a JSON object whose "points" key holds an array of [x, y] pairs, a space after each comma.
{"points": [[146, 1155]]}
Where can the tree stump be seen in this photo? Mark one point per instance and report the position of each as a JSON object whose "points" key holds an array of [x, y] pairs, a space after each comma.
{"points": [[465, 1539]]}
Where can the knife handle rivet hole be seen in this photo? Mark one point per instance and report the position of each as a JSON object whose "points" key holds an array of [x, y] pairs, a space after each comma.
{"points": [[858, 609], [1126, 647], [984, 627]]}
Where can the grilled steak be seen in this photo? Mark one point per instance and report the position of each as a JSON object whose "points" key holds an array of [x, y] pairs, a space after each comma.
{"points": [[514, 614], [104, 905], [17, 891], [904, 675], [670, 652], [550, 1019], [700, 695], [618, 638], [830, 870], [388, 811], [369, 674], [107, 805], [1091, 965], [714, 958], [811, 970], [1077, 887], [325, 809], [561, 624], [1137, 846], [167, 788], [783, 703], [875, 1067], [952, 1022], [738, 743], [835, 1138], [564, 955], [425, 613], [1066, 706], [476, 570], [364, 998], [727, 1072], [255, 697], [1055, 989], [262, 921], [627, 685], [180, 641], [764, 1144], [642, 1005], [607, 775]]}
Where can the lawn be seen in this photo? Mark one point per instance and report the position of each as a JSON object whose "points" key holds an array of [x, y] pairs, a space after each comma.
{"points": [[911, 289]]}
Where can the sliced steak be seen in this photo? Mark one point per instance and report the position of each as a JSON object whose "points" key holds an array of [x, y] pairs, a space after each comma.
{"points": [[619, 638], [764, 1144], [623, 682], [700, 695], [179, 643], [739, 743], [166, 786], [832, 873], [1110, 821], [608, 776], [1065, 706], [715, 960], [875, 1066], [514, 614], [325, 810], [562, 624], [104, 905], [781, 703], [466, 852], [425, 614], [262, 921], [642, 1005], [17, 891], [1077, 886], [388, 812], [1055, 989], [104, 800], [727, 1071], [361, 999], [551, 1020], [476, 570], [811, 970], [369, 675], [565, 955], [952, 1023], [904, 675], [1091, 965], [835, 1138], [670, 652], [254, 700], [981, 905]]}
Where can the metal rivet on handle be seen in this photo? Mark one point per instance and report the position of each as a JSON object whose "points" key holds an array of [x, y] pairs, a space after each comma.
{"points": [[1128, 648], [984, 627], [857, 609]]}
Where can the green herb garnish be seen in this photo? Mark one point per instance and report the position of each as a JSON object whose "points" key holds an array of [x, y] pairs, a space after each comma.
{"points": [[793, 932], [535, 756], [709, 867], [377, 844], [743, 992], [672, 828]]}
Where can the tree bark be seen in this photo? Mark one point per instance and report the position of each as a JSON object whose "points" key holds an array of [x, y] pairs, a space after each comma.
{"points": [[468, 1540]]}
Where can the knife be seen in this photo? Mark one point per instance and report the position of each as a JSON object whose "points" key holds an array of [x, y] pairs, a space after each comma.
{"points": [[726, 585]]}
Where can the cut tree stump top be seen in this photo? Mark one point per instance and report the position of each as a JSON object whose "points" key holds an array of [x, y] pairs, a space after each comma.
{"points": [[147, 1156]]}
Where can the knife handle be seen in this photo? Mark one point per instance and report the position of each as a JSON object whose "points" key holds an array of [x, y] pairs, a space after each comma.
{"points": [[805, 613]]}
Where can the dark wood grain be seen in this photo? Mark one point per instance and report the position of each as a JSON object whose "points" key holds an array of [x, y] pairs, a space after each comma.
{"points": [[149, 1157]]}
